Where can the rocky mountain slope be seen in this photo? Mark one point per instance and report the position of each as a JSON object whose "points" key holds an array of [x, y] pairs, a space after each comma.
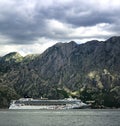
{"points": [[89, 71]]}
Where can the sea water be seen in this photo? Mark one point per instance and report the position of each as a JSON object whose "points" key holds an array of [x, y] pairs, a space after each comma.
{"points": [[79, 117]]}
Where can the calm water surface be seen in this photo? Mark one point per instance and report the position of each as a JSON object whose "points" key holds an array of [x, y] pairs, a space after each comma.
{"points": [[84, 117]]}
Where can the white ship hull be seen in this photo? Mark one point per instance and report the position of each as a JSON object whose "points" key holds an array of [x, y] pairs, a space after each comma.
{"points": [[69, 104]]}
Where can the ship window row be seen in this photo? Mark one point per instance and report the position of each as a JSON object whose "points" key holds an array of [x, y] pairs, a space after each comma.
{"points": [[43, 102]]}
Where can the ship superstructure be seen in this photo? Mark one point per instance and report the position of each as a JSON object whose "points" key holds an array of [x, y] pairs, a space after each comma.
{"points": [[29, 103]]}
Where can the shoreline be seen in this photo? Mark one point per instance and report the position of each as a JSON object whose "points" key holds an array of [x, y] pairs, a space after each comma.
{"points": [[7, 109]]}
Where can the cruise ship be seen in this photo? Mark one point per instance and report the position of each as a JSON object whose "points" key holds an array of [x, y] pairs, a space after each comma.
{"points": [[29, 103]]}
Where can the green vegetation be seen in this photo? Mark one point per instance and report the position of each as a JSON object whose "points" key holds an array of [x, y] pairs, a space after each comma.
{"points": [[6, 94]]}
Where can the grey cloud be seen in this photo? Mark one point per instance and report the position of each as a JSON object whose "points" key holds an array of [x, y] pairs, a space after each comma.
{"points": [[23, 30], [20, 30], [79, 16]]}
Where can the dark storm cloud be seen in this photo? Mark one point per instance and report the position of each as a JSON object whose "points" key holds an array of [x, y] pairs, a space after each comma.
{"points": [[24, 26], [20, 30], [76, 16]]}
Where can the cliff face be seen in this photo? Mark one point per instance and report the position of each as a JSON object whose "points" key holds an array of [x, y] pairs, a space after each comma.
{"points": [[89, 71]]}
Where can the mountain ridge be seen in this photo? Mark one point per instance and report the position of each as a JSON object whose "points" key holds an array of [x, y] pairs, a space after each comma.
{"points": [[88, 71]]}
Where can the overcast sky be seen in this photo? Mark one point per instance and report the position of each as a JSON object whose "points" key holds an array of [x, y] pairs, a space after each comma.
{"points": [[31, 26]]}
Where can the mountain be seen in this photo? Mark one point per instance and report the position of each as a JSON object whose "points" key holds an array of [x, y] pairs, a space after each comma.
{"points": [[89, 71]]}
